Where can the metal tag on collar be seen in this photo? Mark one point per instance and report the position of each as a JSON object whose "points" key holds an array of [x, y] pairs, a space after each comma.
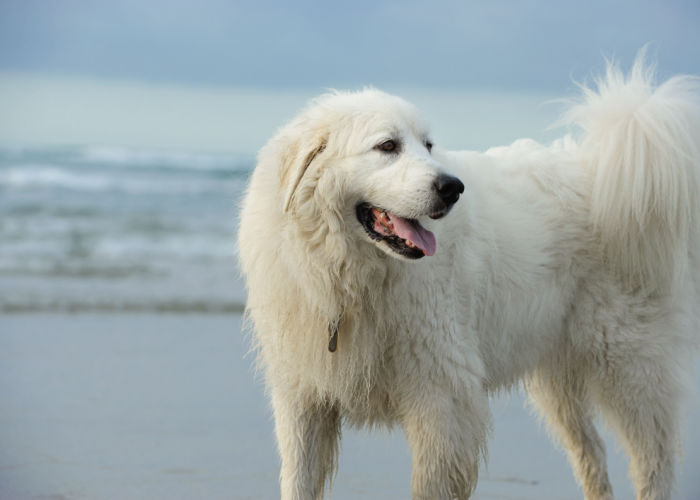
{"points": [[333, 337]]}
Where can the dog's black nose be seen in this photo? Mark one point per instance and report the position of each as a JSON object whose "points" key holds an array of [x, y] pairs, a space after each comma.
{"points": [[448, 188]]}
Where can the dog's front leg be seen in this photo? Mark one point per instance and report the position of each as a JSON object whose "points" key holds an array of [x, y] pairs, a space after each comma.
{"points": [[307, 436], [447, 435]]}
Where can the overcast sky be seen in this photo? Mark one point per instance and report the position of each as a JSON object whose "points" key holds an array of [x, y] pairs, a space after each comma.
{"points": [[223, 75], [523, 45]]}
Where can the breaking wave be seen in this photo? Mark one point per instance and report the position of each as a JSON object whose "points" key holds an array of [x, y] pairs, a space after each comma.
{"points": [[119, 230]]}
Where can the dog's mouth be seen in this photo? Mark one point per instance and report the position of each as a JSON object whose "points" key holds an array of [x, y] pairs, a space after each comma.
{"points": [[404, 236]]}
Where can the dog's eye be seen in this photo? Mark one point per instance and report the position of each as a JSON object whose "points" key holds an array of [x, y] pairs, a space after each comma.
{"points": [[429, 146], [387, 146]]}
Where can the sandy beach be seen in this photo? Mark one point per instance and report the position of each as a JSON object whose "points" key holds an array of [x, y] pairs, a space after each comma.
{"points": [[148, 406]]}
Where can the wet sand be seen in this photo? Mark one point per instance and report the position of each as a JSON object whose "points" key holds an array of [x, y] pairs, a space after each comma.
{"points": [[148, 406]]}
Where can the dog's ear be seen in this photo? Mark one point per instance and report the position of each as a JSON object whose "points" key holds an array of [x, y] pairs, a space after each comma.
{"points": [[295, 162]]}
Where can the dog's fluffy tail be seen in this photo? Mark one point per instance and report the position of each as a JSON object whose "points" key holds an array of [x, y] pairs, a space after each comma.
{"points": [[643, 143]]}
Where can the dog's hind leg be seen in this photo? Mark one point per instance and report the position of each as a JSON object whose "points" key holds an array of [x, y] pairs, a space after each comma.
{"points": [[562, 399], [307, 436], [640, 400]]}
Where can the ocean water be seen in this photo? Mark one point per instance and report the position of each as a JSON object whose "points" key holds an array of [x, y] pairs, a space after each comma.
{"points": [[119, 229]]}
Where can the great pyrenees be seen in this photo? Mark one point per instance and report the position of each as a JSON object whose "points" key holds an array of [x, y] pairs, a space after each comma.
{"points": [[391, 282]]}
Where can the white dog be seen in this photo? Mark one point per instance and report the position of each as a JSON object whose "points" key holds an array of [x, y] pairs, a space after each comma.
{"points": [[376, 299]]}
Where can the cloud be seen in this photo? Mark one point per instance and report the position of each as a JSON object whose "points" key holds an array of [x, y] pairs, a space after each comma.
{"points": [[534, 44]]}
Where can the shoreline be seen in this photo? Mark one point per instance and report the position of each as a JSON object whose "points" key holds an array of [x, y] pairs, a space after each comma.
{"points": [[203, 307]]}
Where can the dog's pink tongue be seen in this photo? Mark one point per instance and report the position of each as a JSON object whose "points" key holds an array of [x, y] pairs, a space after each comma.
{"points": [[415, 233]]}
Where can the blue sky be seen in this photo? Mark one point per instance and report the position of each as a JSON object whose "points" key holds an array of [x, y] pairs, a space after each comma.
{"points": [[223, 75], [524, 45]]}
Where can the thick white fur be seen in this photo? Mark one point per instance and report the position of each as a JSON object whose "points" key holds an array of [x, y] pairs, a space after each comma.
{"points": [[573, 268]]}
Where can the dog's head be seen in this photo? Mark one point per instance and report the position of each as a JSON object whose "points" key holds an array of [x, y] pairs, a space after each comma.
{"points": [[362, 164]]}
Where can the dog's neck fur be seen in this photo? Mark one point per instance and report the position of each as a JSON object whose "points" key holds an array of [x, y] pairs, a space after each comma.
{"points": [[333, 264], [340, 283]]}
